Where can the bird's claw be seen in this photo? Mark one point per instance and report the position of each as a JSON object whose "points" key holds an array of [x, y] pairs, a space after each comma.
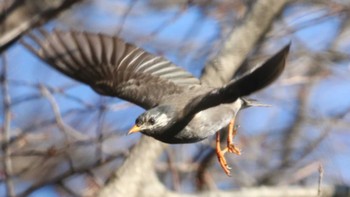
{"points": [[230, 148], [233, 149], [223, 162]]}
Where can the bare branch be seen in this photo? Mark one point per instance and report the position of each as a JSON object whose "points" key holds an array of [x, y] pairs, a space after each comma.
{"points": [[321, 171], [27, 14], [71, 132], [221, 69], [66, 174], [7, 127]]}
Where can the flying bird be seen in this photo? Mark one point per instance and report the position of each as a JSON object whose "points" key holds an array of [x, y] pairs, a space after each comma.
{"points": [[179, 108]]}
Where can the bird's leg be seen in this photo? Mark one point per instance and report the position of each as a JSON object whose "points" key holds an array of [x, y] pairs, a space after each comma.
{"points": [[220, 153], [230, 147], [232, 131]]}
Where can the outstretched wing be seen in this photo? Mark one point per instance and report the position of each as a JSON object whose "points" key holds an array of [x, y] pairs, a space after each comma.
{"points": [[110, 66], [248, 83]]}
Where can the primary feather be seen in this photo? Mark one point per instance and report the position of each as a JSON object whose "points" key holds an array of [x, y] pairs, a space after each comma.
{"points": [[110, 66]]}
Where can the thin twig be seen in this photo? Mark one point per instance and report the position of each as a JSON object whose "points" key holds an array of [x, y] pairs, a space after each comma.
{"points": [[67, 190], [69, 131], [173, 170], [161, 27], [320, 178], [124, 17], [99, 129], [68, 173], [7, 128], [29, 16], [204, 164]]}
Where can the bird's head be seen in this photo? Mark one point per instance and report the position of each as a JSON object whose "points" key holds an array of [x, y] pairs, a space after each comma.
{"points": [[155, 120]]}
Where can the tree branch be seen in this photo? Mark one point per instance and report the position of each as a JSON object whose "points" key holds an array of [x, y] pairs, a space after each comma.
{"points": [[236, 48], [7, 128], [24, 15]]}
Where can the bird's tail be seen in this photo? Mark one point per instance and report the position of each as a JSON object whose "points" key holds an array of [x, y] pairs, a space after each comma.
{"points": [[252, 81], [248, 102], [259, 77]]}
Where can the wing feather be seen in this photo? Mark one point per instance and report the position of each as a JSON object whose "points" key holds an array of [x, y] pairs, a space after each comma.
{"points": [[110, 66]]}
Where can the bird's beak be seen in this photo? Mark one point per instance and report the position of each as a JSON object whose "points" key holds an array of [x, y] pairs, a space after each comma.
{"points": [[134, 129]]}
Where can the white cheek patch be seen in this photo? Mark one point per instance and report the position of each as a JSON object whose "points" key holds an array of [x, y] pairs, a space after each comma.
{"points": [[162, 120]]}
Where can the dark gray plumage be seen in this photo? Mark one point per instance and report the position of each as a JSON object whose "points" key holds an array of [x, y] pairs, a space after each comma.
{"points": [[180, 108]]}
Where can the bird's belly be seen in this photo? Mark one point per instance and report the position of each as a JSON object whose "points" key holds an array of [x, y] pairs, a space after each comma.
{"points": [[202, 125]]}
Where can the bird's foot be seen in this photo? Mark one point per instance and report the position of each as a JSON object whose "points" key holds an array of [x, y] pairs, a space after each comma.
{"points": [[221, 155], [233, 149], [230, 148], [232, 131]]}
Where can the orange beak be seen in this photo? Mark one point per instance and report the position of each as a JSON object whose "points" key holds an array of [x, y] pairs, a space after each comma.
{"points": [[134, 129]]}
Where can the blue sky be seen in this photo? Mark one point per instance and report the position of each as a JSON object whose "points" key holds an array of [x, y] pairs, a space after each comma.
{"points": [[328, 97]]}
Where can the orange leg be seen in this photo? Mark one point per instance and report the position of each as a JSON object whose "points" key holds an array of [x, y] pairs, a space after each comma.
{"points": [[230, 147], [231, 134], [220, 153]]}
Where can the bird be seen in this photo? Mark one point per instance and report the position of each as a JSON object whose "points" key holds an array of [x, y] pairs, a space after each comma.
{"points": [[179, 108]]}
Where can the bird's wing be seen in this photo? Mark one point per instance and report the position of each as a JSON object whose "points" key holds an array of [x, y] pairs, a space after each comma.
{"points": [[110, 66], [244, 85]]}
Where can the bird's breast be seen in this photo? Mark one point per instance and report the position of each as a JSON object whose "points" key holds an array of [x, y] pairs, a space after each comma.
{"points": [[202, 125]]}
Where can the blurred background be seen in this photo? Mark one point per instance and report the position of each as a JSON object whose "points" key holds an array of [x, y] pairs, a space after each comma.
{"points": [[302, 139]]}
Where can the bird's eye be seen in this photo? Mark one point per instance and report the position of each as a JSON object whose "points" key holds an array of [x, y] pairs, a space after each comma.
{"points": [[152, 121], [138, 122]]}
